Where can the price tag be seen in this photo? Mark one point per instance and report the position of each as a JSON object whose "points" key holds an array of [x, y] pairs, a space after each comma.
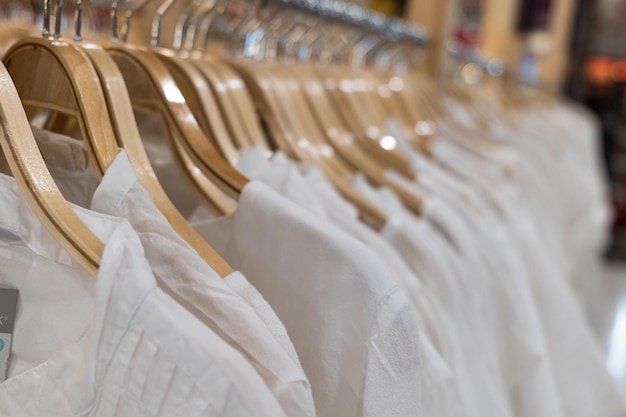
{"points": [[8, 309]]}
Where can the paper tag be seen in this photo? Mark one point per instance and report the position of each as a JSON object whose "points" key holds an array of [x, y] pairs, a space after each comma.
{"points": [[8, 309]]}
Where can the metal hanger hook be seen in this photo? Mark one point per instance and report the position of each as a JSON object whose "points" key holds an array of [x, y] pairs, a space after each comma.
{"points": [[58, 21], [78, 21], [47, 11]]}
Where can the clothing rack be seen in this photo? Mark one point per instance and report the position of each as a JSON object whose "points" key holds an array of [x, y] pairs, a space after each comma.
{"points": [[285, 219], [355, 15], [493, 66]]}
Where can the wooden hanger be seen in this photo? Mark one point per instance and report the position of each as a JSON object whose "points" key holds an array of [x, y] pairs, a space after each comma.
{"points": [[225, 102], [201, 101], [235, 101], [116, 108], [192, 26], [420, 95], [56, 75], [362, 118], [152, 87], [123, 122], [343, 140], [34, 179], [219, 203], [290, 123], [227, 87], [412, 118], [366, 99]]}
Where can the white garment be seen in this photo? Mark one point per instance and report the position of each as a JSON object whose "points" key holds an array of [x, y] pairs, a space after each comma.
{"points": [[584, 385], [516, 321], [520, 336], [306, 185], [352, 326], [353, 329], [187, 278], [469, 347], [115, 346], [224, 305], [575, 176]]}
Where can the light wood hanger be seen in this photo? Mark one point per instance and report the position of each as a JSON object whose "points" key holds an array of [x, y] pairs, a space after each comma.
{"points": [[235, 101], [56, 75], [123, 121], [343, 140], [225, 102], [424, 93], [362, 118], [417, 127], [366, 100], [152, 87], [293, 130], [421, 96], [219, 203], [201, 101], [194, 84], [30, 171], [227, 87]]}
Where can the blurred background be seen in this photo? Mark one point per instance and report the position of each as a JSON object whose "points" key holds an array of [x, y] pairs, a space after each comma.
{"points": [[576, 48], [573, 47]]}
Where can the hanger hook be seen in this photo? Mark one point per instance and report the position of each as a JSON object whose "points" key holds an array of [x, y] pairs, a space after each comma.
{"points": [[204, 22], [59, 19], [128, 17], [47, 11], [78, 21], [115, 16], [155, 35], [183, 23], [130, 7], [192, 24]]}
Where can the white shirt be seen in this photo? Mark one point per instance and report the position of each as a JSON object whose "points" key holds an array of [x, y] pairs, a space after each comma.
{"points": [[469, 349], [307, 186], [353, 328], [361, 365], [576, 177], [115, 346], [188, 279], [509, 303], [231, 307], [576, 360]]}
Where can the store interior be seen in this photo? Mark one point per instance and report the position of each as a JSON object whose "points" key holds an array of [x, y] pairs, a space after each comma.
{"points": [[470, 152]]}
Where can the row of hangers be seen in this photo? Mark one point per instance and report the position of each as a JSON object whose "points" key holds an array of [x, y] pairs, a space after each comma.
{"points": [[266, 93]]}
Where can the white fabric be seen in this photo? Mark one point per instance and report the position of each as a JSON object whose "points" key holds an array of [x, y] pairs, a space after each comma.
{"points": [[366, 365], [519, 333], [530, 216], [352, 326], [231, 307], [307, 186], [115, 346], [189, 280], [469, 350]]}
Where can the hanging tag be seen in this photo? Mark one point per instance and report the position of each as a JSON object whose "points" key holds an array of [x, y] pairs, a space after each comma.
{"points": [[8, 309]]}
